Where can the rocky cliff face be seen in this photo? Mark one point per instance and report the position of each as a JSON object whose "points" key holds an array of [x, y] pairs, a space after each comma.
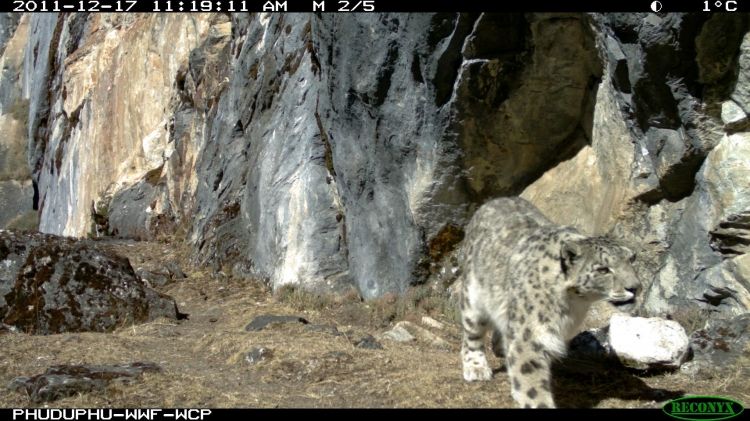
{"points": [[332, 150], [667, 166], [17, 208]]}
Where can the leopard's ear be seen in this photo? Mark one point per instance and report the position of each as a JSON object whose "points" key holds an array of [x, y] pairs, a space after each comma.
{"points": [[570, 252]]}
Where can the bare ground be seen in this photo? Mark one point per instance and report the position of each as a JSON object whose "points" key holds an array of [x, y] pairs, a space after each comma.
{"points": [[204, 357]]}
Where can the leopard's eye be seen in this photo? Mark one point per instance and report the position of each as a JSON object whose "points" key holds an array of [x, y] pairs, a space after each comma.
{"points": [[603, 270]]}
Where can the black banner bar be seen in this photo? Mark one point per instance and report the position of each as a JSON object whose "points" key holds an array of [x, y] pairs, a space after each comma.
{"points": [[187, 414], [368, 6]]}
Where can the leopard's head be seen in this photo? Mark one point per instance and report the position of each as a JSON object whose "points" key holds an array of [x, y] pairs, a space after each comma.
{"points": [[598, 268]]}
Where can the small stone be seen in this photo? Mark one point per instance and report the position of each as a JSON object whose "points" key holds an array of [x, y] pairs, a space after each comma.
{"points": [[7, 329], [701, 370], [257, 355], [399, 334], [338, 357], [430, 322], [330, 329], [590, 344], [368, 342], [644, 343], [174, 270], [154, 279], [261, 322], [732, 114], [423, 335], [213, 319]]}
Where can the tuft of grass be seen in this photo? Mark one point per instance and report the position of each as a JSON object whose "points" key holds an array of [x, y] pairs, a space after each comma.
{"points": [[300, 299], [414, 302], [691, 318]]}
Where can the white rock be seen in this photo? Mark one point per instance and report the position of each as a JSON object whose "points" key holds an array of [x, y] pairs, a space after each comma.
{"points": [[423, 335], [399, 334], [731, 113], [430, 322], [647, 342]]}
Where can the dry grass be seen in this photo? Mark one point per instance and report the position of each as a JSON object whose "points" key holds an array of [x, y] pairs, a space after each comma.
{"points": [[204, 364], [414, 303], [691, 318]]}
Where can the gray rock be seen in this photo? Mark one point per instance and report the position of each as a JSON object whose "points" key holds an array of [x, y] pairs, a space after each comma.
{"points": [[700, 369], [257, 355], [8, 25], [705, 268], [399, 334], [647, 343], [7, 329], [741, 94], [732, 115], [262, 322], [153, 278], [405, 331], [723, 343], [661, 175], [592, 344], [159, 277], [329, 329], [51, 284], [337, 357], [174, 270], [367, 342], [142, 211], [732, 235], [61, 381], [417, 175]]}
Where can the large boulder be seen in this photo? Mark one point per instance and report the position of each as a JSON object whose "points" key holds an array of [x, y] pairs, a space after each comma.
{"points": [[62, 381], [51, 284], [644, 343]]}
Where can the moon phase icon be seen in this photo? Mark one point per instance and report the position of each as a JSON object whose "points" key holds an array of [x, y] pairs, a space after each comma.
{"points": [[656, 6]]}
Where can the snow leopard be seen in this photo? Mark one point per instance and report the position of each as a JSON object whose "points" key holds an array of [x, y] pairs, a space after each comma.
{"points": [[531, 283]]}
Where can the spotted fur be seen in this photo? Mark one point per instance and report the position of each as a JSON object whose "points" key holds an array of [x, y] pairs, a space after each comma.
{"points": [[531, 283]]}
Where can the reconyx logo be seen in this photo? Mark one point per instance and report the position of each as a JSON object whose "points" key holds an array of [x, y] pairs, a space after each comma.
{"points": [[703, 408]]}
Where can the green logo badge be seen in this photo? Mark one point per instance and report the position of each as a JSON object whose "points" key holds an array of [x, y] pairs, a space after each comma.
{"points": [[703, 408]]}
